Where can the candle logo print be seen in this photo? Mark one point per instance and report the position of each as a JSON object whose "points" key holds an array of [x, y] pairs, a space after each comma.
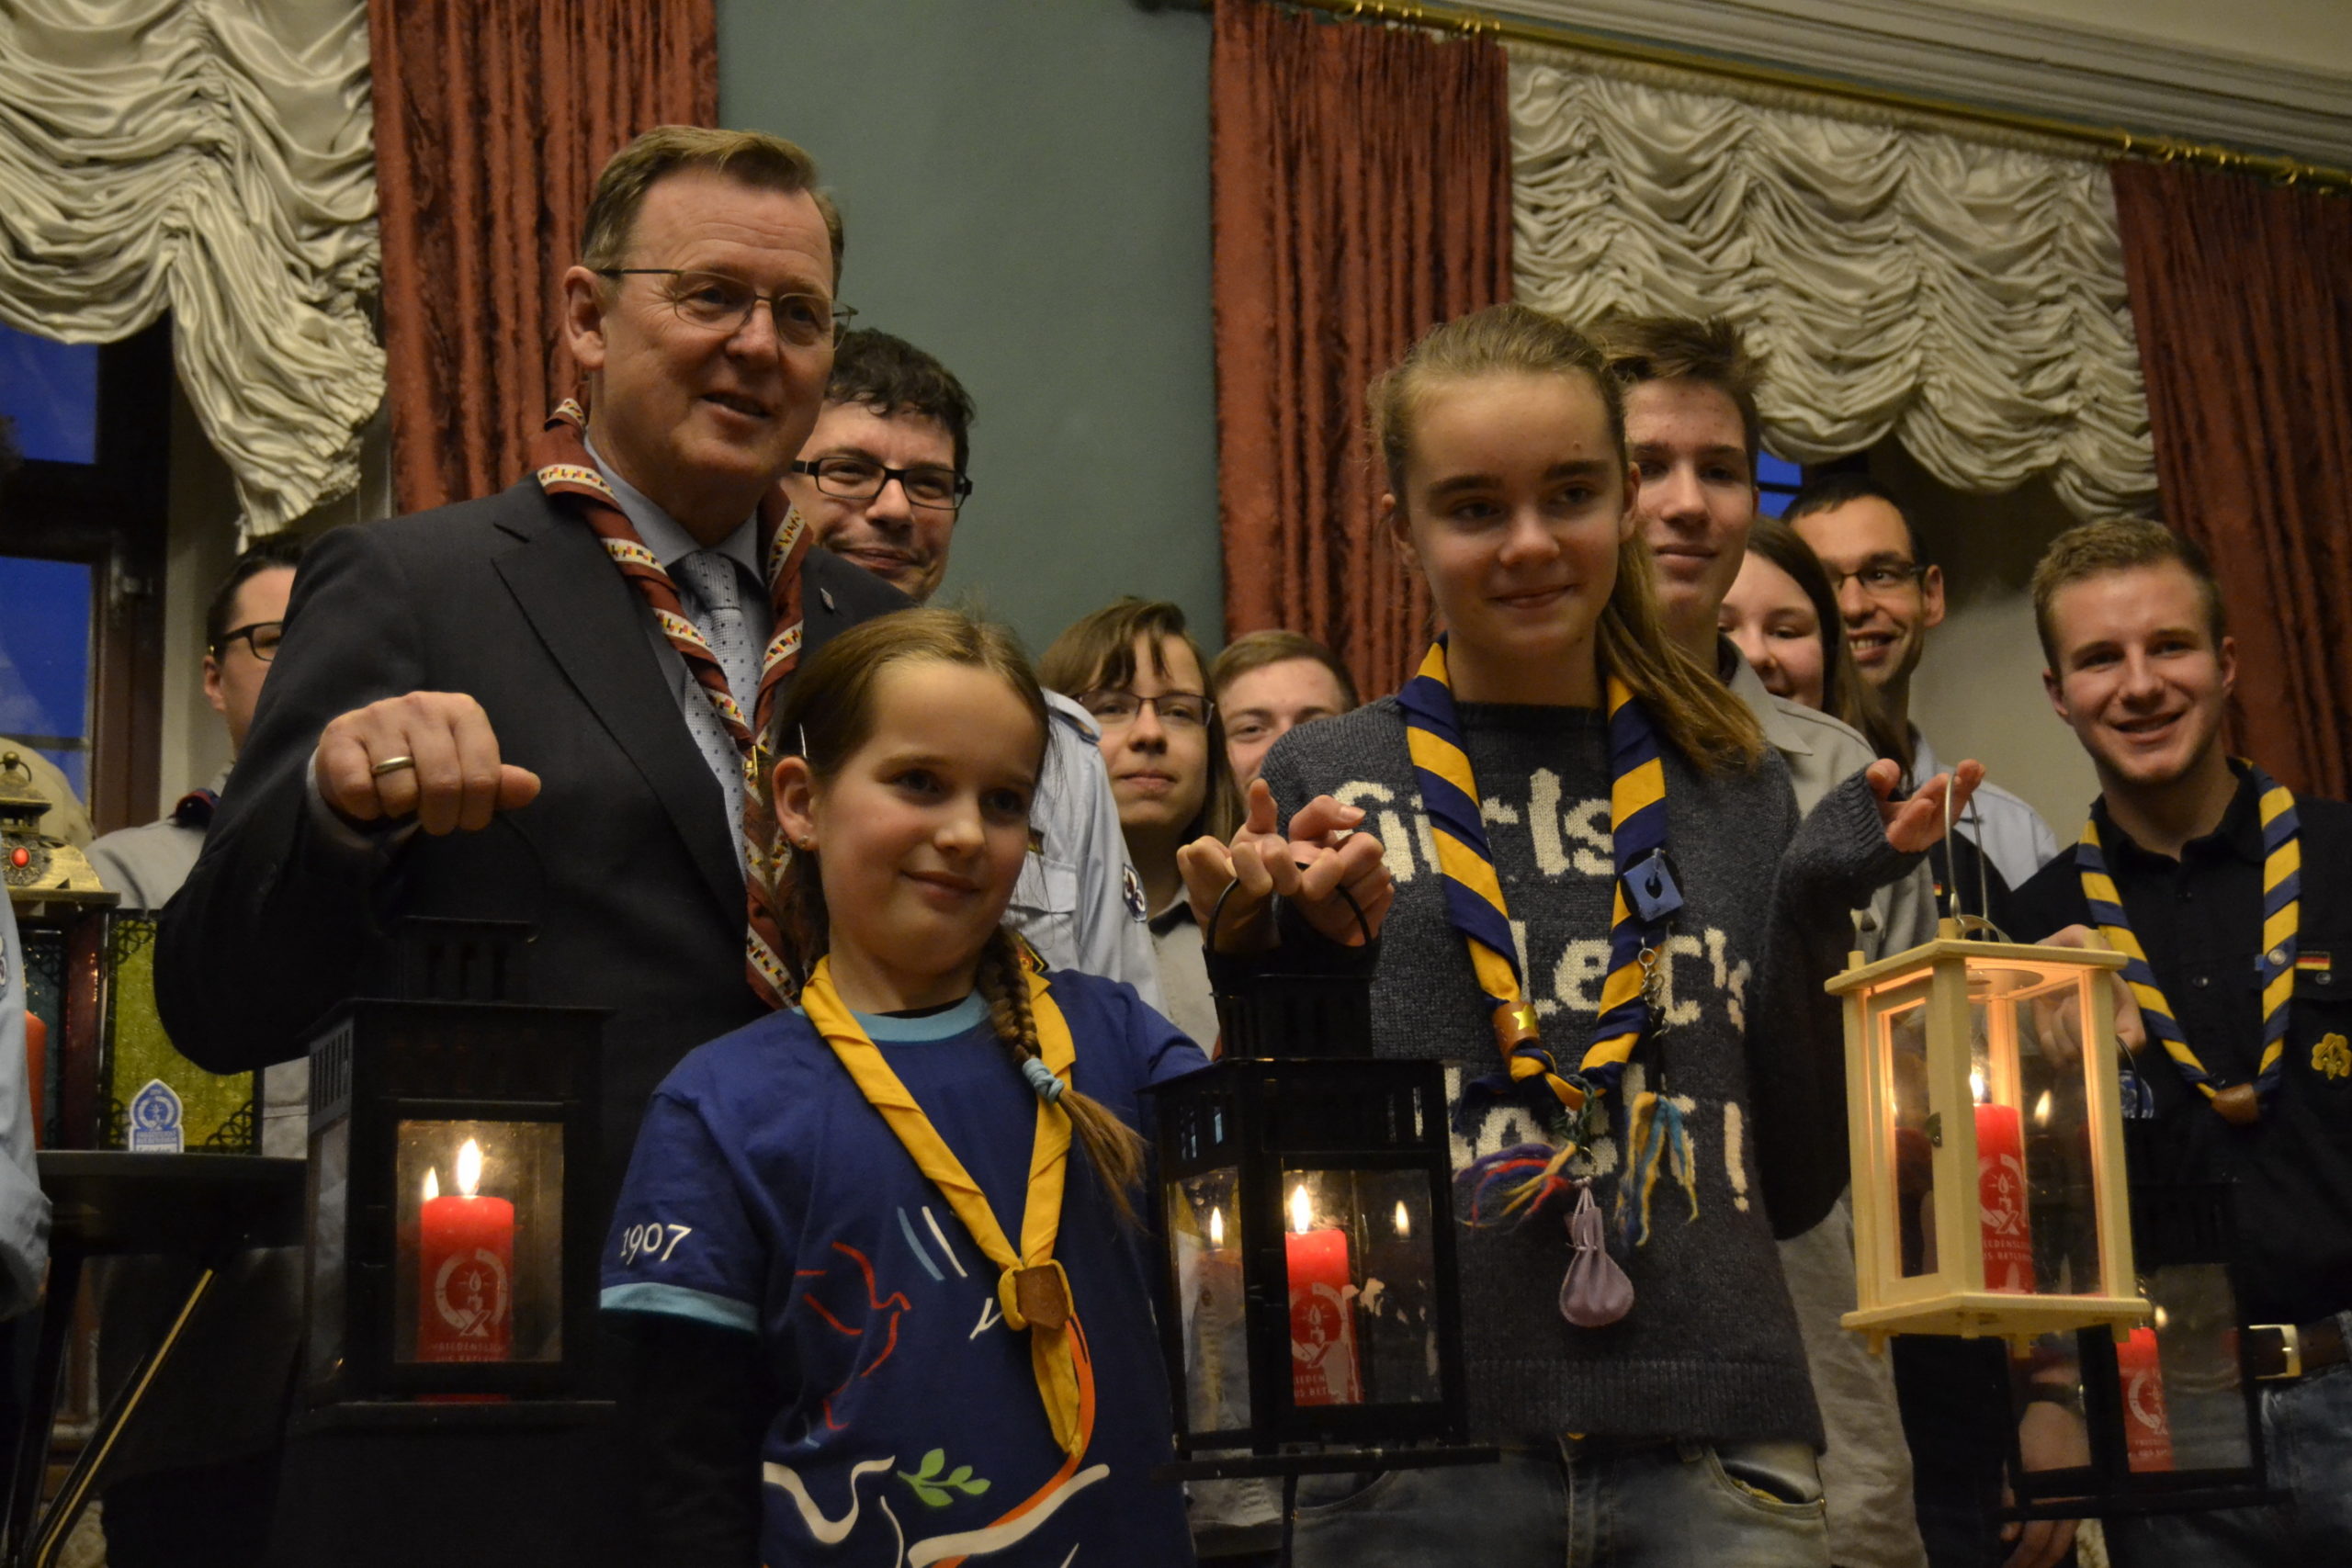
{"points": [[475, 1306]]}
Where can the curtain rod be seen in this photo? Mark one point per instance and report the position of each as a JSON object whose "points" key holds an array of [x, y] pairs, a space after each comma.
{"points": [[2114, 141]]}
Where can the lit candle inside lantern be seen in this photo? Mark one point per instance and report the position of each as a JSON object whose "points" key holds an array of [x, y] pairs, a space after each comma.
{"points": [[1217, 1365], [2001, 1195], [2147, 1428], [465, 1270], [1322, 1310], [1403, 1222]]}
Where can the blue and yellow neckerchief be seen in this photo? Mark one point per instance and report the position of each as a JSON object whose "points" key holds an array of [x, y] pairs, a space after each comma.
{"points": [[2282, 884], [1644, 900]]}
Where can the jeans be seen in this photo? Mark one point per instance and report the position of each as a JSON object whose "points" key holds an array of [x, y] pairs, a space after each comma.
{"points": [[2307, 1440], [1581, 1504]]}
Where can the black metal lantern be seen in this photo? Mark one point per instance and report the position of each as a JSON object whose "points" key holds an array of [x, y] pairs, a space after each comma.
{"points": [[453, 1132], [2172, 1408], [1311, 1253], [1305, 1193]]}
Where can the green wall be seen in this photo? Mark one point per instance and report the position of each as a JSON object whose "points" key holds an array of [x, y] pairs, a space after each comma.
{"points": [[1024, 185]]}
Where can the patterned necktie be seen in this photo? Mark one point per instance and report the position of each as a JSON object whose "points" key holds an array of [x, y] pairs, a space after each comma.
{"points": [[711, 577], [569, 475]]}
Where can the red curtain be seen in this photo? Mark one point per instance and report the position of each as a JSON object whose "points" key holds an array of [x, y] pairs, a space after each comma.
{"points": [[492, 117], [2242, 296], [1361, 196]]}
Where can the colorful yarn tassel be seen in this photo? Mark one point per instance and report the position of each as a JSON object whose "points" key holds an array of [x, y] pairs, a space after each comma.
{"points": [[1515, 1184], [1660, 1141]]}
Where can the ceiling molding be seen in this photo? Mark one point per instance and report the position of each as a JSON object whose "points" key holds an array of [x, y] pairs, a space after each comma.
{"points": [[1951, 52]]}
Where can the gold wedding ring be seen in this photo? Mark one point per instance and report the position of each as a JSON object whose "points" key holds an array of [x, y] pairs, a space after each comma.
{"points": [[391, 765]]}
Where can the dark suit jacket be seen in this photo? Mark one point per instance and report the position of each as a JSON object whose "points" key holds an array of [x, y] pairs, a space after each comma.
{"points": [[628, 872]]}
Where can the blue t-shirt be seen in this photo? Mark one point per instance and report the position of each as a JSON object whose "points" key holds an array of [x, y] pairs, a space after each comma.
{"points": [[766, 1195]]}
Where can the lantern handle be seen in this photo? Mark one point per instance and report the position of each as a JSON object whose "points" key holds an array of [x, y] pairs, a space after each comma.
{"points": [[382, 921], [1952, 885], [1217, 911]]}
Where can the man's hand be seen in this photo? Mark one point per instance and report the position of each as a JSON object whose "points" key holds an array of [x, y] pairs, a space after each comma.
{"points": [[1917, 824], [2130, 1028], [2049, 1438], [1321, 856], [453, 781]]}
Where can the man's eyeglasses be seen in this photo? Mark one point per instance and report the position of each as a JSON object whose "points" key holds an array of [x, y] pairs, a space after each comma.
{"points": [[261, 637], [1877, 578], [1116, 709], [862, 478], [714, 302]]}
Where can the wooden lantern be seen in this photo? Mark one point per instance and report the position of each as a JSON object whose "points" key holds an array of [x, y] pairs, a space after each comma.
{"points": [[1988, 1175]]}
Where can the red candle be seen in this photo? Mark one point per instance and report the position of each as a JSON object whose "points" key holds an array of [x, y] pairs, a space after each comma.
{"points": [[466, 1266], [2000, 1195], [1323, 1368], [2147, 1430]]}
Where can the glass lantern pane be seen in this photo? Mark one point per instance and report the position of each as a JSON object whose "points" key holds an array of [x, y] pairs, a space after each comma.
{"points": [[1205, 1224], [1898, 1025], [2051, 1433], [1362, 1271], [481, 1241], [2036, 1180], [330, 1192], [2184, 1407]]}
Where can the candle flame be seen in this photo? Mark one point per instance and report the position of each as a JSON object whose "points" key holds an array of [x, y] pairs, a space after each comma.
{"points": [[432, 1185], [2041, 1109], [1403, 1220], [469, 1168], [2162, 1319], [1217, 1227], [1976, 1086], [1302, 1213]]}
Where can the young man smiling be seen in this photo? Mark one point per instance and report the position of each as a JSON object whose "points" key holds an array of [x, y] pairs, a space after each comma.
{"points": [[1891, 598], [2249, 944], [1693, 430], [881, 481]]}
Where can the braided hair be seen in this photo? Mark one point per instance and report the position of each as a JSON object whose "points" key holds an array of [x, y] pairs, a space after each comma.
{"points": [[824, 718]]}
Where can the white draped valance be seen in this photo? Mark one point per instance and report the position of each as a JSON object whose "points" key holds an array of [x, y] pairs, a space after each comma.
{"points": [[1966, 294], [214, 158]]}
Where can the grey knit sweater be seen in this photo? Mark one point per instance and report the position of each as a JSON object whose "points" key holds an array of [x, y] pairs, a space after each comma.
{"points": [[1710, 1351]]}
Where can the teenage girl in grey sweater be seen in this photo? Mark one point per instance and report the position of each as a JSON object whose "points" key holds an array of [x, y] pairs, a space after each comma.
{"points": [[1692, 1415]]}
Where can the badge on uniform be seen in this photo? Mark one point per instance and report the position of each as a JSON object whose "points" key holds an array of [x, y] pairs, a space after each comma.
{"points": [[2332, 1057], [1131, 888], [1650, 887], [155, 1121]]}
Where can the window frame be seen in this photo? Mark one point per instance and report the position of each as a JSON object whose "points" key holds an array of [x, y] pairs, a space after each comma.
{"points": [[113, 516]]}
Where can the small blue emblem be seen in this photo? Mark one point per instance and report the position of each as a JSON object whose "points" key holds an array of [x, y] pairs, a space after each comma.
{"points": [[155, 1114], [1650, 888]]}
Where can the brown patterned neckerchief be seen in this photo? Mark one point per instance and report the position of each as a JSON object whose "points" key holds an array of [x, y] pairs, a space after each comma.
{"points": [[566, 473]]}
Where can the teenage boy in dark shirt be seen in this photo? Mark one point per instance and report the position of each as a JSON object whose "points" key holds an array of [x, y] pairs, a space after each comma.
{"points": [[2248, 946]]}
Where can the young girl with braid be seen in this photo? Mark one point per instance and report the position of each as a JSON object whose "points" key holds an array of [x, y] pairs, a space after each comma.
{"points": [[876, 1256], [1600, 909]]}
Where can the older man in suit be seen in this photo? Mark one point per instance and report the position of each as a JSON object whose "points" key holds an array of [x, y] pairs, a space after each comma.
{"points": [[540, 705]]}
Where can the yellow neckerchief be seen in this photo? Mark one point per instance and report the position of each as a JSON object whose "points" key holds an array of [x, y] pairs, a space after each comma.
{"points": [[1032, 1290]]}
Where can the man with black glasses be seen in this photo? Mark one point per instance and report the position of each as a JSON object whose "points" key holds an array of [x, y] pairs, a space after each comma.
{"points": [[540, 705], [147, 863], [1890, 599], [881, 481]]}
